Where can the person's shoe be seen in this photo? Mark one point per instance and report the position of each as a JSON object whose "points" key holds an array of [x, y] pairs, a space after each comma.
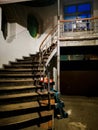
{"points": [[59, 116]]}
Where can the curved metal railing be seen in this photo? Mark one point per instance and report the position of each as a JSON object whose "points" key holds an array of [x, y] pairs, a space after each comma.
{"points": [[46, 45]]}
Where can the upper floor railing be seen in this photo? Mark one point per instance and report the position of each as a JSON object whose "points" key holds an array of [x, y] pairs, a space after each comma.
{"points": [[78, 25]]}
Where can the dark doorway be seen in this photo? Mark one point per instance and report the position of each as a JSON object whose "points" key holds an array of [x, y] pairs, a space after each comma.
{"points": [[79, 70]]}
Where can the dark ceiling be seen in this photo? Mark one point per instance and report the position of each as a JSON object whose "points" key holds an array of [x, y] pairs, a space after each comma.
{"points": [[33, 3], [39, 3]]}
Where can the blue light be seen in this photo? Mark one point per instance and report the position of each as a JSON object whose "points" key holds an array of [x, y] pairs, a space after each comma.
{"points": [[84, 7], [70, 9]]}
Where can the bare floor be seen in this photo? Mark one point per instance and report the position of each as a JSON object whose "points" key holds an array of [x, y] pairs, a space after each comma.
{"points": [[83, 114]]}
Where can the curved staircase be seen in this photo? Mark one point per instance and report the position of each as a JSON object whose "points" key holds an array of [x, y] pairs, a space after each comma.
{"points": [[22, 105]]}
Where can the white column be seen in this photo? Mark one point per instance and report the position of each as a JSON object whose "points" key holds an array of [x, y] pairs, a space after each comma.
{"points": [[58, 49], [0, 17], [55, 78]]}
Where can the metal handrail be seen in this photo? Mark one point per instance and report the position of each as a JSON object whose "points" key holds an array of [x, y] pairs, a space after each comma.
{"points": [[72, 20], [44, 42], [79, 25]]}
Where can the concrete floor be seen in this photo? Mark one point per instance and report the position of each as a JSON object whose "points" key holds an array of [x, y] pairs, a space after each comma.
{"points": [[83, 114]]}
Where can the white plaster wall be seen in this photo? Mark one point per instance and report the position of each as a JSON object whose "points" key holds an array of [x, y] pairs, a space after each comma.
{"points": [[0, 17], [19, 42]]}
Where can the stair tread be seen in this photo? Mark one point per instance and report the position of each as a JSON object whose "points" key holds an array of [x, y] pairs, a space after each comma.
{"points": [[24, 118], [18, 106], [46, 113], [16, 87], [45, 92], [16, 74], [10, 96], [18, 119], [25, 105], [15, 80], [26, 61], [24, 74], [19, 69]]}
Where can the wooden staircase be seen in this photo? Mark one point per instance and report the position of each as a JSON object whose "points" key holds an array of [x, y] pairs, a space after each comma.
{"points": [[22, 105]]}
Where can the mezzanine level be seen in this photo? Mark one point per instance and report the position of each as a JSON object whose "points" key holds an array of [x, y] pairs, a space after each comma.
{"points": [[79, 29]]}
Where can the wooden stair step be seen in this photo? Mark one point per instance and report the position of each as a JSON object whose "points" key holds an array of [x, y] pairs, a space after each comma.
{"points": [[18, 80], [20, 76], [17, 87], [14, 75], [11, 97], [18, 95], [20, 70], [29, 57], [46, 102], [23, 66], [25, 105], [46, 113], [18, 119], [45, 92], [19, 65], [23, 63], [19, 106], [33, 55], [15, 70], [26, 60]]}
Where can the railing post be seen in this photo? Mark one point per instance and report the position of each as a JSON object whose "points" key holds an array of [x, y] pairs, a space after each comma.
{"points": [[58, 49]]}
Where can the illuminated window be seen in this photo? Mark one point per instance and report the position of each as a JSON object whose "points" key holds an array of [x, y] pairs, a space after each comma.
{"points": [[70, 9], [79, 10], [84, 7]]}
